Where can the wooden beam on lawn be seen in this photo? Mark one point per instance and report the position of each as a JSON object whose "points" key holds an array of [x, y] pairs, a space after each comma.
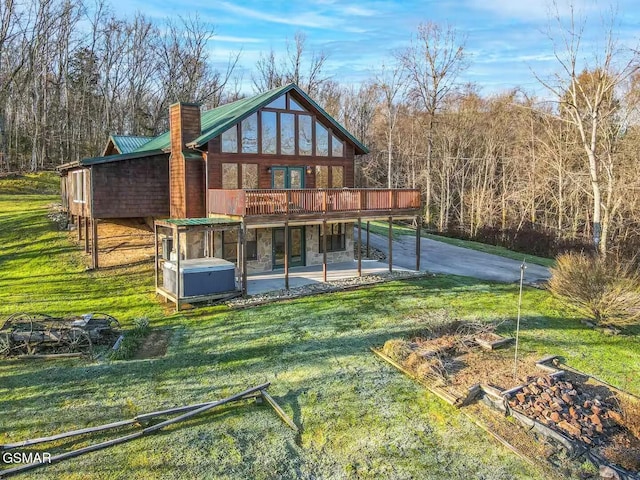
{"points": [[132, 436], [390, 244], [359, 247], [286, 255], [281, 413]]}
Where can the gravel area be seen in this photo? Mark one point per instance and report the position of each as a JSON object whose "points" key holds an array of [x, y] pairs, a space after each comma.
{"points": [[319, 288]]}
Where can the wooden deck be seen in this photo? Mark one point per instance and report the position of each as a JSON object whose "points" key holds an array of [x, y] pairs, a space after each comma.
{"points": [[308, 204]]}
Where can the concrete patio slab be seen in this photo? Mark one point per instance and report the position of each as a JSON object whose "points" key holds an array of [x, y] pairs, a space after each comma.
{"points": [[300, 276]]}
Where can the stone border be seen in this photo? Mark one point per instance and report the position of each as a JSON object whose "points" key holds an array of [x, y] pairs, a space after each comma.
{"points": [[346, 284]]}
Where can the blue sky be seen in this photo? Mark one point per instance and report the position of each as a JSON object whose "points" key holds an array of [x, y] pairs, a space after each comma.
{"points": [[506, 39]]}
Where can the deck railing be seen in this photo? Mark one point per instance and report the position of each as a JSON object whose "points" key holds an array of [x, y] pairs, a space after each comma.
{"points": [[293, 202]]}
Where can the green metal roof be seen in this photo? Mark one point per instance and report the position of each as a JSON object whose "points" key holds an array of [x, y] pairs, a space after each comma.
{"points": [[120, 156], [216, 121], [213, 123], [129, 143]]}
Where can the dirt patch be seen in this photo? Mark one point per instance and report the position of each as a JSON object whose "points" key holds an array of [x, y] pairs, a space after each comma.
{"points": [[122, 242], [155, 345]]}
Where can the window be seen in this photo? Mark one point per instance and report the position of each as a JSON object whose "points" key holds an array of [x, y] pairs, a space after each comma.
{"points": [[249, 175], [337, 148], [279, 103], [337, 177], [305, 145], [322, 140], [287, 134], [336, 237], [269, 132], [230, 176], [322, 176], [250, 134], [293, 105], [230, 140], [230, 245], [77, 186]]}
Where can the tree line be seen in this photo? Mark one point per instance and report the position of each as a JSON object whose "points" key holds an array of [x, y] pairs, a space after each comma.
{"points": [[540, 173]]}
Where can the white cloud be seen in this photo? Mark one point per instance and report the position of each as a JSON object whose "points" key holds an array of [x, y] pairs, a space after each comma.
{"points": [[309, 19], [233, 39]]}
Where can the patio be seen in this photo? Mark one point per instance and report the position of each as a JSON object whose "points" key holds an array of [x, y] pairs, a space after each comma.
{"points": [[300, 276]]}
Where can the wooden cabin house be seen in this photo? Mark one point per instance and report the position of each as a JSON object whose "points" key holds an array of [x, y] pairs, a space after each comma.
{"points": [[276, 162]]}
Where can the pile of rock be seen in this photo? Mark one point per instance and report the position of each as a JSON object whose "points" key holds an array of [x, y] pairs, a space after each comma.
{"points": [[560, 405]]}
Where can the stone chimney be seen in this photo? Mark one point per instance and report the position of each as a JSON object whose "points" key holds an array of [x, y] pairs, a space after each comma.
{"points": [[186, 166]]}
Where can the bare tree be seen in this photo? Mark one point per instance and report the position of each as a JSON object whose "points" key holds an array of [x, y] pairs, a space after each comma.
{"points": [[433, 62], [587, 98]]}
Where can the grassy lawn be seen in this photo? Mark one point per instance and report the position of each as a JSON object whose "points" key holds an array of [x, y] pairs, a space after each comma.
{"points": [[382, 228], [359, 418]]}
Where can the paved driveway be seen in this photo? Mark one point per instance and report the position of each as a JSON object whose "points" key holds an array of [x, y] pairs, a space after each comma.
{"points": [[439, 257]]}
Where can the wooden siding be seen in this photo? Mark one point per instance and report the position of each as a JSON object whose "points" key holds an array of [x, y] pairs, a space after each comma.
{"points": [[131, 188], [73, 207]]}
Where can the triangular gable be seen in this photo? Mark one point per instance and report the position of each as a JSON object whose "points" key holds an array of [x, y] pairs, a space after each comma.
{"points": [[123, 144], [218, 120]]}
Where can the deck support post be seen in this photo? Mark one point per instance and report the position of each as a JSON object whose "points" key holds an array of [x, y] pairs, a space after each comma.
{"points": [[359, 247], [390, 244], [79, 227], [94, 243], [157, 251], [418, 236], [243, 234], [368, 254], [86, 235], [176, 233], [286, 255], [324, 251]]}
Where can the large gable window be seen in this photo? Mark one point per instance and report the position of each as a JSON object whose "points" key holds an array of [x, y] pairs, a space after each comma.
{"points": [[293, 105], [250, 134], [287, 134], [269, 133], [230, 140], [279, 103], [322, 140], [305, 135], [337, 147]]}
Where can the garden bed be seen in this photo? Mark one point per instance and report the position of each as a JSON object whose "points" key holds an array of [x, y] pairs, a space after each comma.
{"points": [[585, 416]]}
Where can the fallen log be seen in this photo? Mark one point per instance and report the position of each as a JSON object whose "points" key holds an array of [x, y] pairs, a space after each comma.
{"points": [[145, 431]]}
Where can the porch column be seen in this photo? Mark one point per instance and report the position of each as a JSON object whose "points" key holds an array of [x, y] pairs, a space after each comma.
{"points": [[418, 251], [243, 233], [390, 244], [94, 243], [157, 262], [286, 255], [324, 251], [176, 234], [359, 247], [368, 254], [86, 235]]}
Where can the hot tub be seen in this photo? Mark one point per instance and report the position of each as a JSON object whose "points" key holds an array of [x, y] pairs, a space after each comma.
{"points": [[200, 276]]}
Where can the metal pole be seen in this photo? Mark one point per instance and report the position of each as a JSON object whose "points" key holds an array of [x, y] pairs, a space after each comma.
{"points": [[368, 254], [418, 236], [515, 360]]}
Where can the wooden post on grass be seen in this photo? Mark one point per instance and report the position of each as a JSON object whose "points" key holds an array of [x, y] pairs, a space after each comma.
{"points": [[324, 250], [390, 245], [418, 236], [359, 247], [286, 255], [94, 243]]}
